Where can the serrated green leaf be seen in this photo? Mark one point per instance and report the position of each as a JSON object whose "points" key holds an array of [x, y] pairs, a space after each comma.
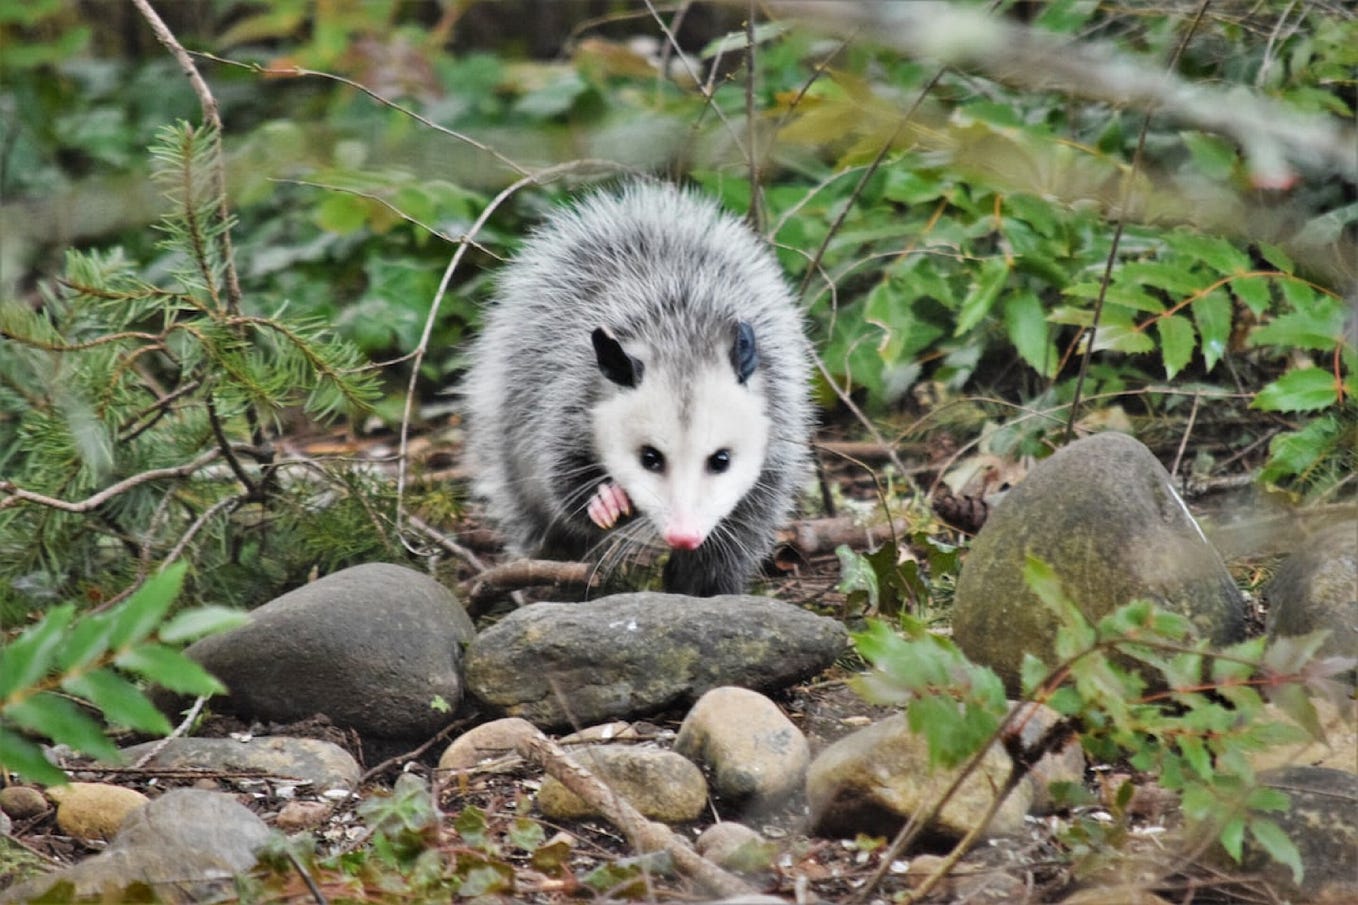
{"points": [[30, 657], [1026, 323], [1318, 325], [137, 616], [1233, 837], [1195, 752], [1032, 673], [190, 625], [1122, 338], [1280, 259], [169, 668], [1299, 390], [981, 298], [52, 716], [1215, 252], [1254, 292], [1292, 700], [85, 642], [120, 701], [1176, 343], [24, 757], [1212, 315], [1274, 841]]}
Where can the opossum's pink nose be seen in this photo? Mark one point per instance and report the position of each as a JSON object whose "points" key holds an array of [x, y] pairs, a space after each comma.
{"points": [[683, 538]]}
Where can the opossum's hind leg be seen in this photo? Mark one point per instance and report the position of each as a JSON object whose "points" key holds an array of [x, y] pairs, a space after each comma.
{"points": [[609, 503], [707, 571]]}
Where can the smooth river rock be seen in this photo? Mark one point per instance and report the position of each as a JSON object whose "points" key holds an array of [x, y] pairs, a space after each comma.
{"points": [[1317, 588], [629, 655], [1103, 514], [322, 764], [374, 647]]}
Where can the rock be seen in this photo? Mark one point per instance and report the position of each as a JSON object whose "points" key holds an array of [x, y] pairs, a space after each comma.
{"points": [[616, 730], [967, 882], [1065, 764], [736, 847], [93, 810], [22, 802], [186, 845], [1317, 588], [873, 780], [372, 647], [489, 746], [633, 654], [324, 765], [1103, 513], [660, 784], [1323, 824], [1339, 751], [1122, 895], [754, 754], [296, 816]]}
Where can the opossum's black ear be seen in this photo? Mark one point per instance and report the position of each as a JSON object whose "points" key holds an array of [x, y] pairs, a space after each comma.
{"points": [[614, 362], [744, 352]]}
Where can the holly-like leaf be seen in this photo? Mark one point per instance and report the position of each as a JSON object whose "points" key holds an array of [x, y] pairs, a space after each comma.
{"points": [[120, 701], [137, 617], [1274, 841], [1299, 390], [1176, 343], [1212, 315]]}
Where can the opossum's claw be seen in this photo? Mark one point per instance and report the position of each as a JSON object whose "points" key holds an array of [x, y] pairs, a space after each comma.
{"points": [[609, 503]]}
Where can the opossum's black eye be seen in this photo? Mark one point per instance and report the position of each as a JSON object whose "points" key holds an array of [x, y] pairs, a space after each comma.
{"points": [[719, 461], [651, 459]]}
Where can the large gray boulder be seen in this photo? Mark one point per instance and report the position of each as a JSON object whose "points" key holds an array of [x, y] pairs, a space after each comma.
{"points": [[1317, 588], [186, 846], [373, 647], [619, 657], [1103, 513]]}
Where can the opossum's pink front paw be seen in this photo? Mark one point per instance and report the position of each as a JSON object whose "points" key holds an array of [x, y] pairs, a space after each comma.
{"points": [[609, 503]]}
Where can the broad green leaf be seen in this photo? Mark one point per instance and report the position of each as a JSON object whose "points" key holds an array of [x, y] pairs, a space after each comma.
{"points": [[190, 625], [1172, 276], [1176, 343], [1026, 323], [87, 640], [120, 701], [137, 616], [1299, 390], [1294, 453], [1233, 837], [1212, 315], [1254, 292], [171, 669], [978, 302], [1274, 841], [1195, 752], [1215, 156], [1274, 255], [1122, 338], [23, 756], [1215, 252], [52, 716], [856, 574], [342, 213], [28, 658], [1032, 674], [1319, 325]]}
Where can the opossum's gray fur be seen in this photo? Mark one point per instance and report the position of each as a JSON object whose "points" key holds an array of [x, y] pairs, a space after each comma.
{"points": [[669, 274]]}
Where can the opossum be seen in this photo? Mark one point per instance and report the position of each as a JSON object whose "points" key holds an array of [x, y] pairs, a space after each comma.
{"points": [[642, 352]]}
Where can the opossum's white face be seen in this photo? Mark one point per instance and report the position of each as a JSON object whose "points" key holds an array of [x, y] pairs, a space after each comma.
{"points": [[685, 448]]}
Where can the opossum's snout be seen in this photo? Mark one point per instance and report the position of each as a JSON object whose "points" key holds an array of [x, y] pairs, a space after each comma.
{"points": [[684, 534]]}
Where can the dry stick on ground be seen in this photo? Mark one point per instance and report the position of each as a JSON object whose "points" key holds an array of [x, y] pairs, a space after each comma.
{"points": [[527, 573], [642, 834]]}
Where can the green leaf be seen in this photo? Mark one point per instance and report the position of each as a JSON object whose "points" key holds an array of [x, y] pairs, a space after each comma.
{"points": [[137, 616], [170, 668], [1274, 841], [27, 659], [978, 302], [1299, 390], [1212, 314], [1215, 156], [1176, 343], [23, 756], [85, 643], [190, 625], [1233, 837], [342, 213], [52, 716], [1319, 325], [1215, 252], [1254, 292], [1026, 322], [120, 701]]}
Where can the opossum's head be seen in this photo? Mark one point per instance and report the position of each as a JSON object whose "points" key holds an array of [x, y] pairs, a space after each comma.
{"points": [[685, 435]]}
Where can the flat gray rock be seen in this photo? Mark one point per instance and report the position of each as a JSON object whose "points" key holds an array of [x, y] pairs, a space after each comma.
{"points": [[186, 846], [320, 763], [1103, 513], [619, 657], [372, 647]]}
